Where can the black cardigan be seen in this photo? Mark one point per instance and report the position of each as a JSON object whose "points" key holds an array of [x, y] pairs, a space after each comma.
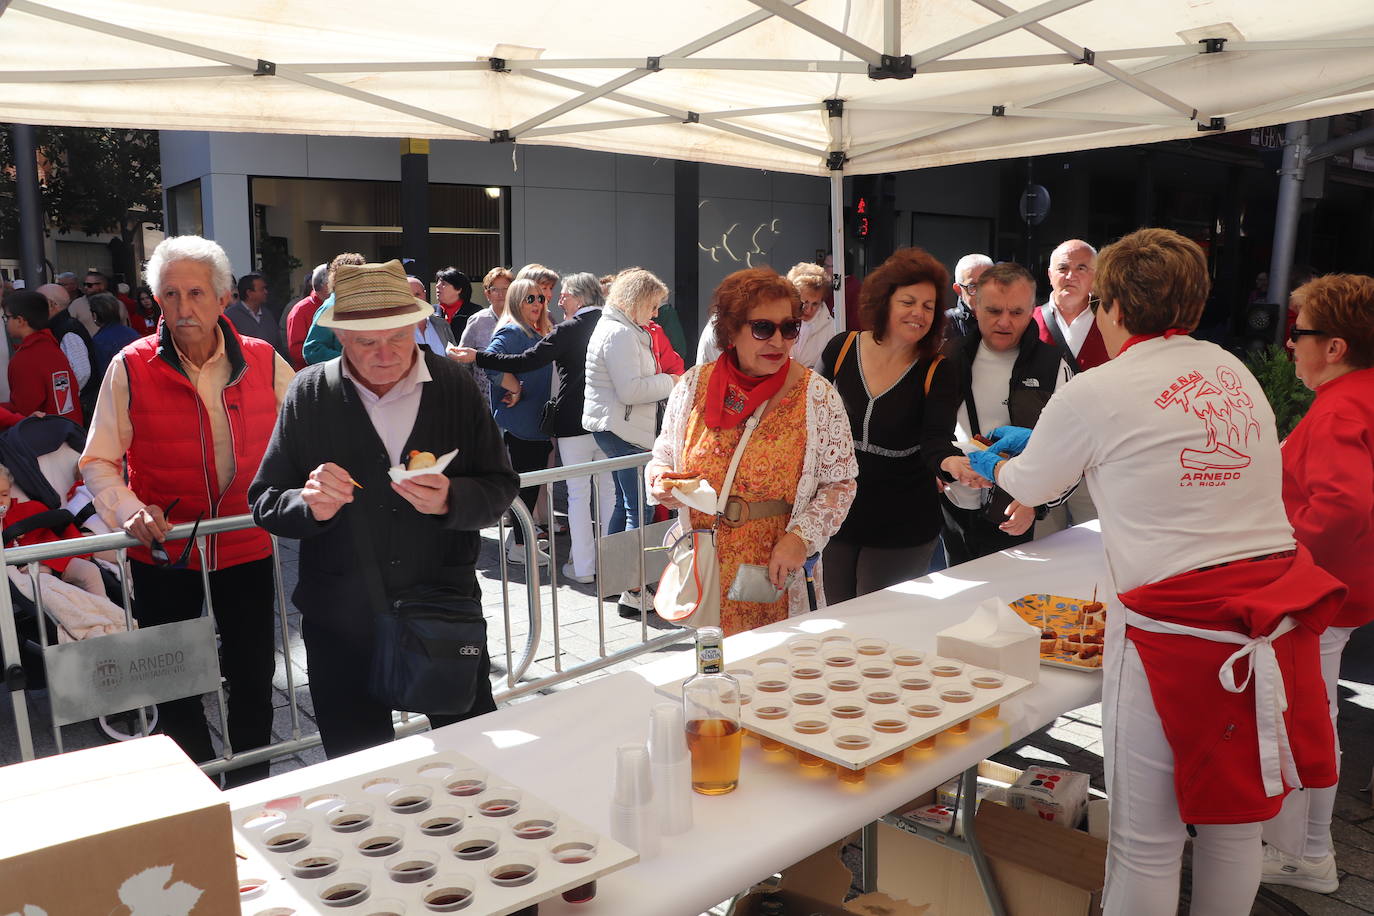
{"points": [[566, 347], [323, 419]]}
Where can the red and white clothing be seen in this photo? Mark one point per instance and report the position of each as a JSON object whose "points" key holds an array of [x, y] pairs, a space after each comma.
{"points": [[1081, 334], [1328, 490], [41, 379], [1176, 443]]}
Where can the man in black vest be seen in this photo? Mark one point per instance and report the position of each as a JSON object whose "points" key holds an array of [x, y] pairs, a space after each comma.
{"points": [[1007, 376], [365, 538]]}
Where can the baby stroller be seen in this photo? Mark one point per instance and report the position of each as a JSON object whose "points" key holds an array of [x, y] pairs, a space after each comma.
{"points": [[41, 454]]}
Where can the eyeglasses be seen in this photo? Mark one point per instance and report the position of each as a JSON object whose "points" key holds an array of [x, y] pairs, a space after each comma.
{"points": [[1093, 303], [535, 297], [763, 329], [89, 283], [1295, 332], [159, 550], [969, 288]]}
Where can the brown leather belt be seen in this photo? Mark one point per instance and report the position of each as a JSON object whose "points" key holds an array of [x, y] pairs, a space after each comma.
{"points": [[739, 511]]}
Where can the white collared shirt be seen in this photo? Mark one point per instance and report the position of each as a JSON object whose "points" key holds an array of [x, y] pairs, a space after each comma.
{"points": [[1076, 331], [393, 414]]}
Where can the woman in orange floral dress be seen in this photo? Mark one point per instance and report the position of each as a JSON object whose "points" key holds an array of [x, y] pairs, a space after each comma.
{"points": [[795, 480]]}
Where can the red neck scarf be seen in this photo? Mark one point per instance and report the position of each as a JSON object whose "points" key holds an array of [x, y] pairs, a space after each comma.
{"points": [[451, 310], [731, 396], [1141, 338]]}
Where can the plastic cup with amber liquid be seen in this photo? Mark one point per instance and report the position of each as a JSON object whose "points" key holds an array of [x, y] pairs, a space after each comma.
{"points": [[808, 723], [774, 677], [984, 679], [946, 667], [574, 849], [852, 736], [924, 709], [882, 693], [904, 657], [955, 696], [799, 647], [871, 646], [772, 708]]}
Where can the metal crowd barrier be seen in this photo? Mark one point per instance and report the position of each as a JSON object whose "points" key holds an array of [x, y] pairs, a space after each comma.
{"points": [[84, 683]]}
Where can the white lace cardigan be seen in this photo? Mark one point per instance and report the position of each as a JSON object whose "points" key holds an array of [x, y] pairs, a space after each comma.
{"points": [[829, 469]]}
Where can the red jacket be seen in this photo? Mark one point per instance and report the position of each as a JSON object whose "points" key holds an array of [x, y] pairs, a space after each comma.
{"points": [[1213, 733], [1328, 488], [1092, 353], [22, 509], [172, 454], [42, 379], [665, 357], [298, 325]]}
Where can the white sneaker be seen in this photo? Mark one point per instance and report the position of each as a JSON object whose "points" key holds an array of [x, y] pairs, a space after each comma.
{"points": [[1295, 871], [572, 576], [515, 553]]}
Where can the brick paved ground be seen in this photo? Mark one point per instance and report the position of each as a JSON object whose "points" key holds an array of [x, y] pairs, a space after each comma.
{"points": [[1074, 740]]}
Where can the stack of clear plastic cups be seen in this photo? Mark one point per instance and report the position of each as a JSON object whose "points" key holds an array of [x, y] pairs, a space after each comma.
{"points": [[671, 767], [634, 819]]}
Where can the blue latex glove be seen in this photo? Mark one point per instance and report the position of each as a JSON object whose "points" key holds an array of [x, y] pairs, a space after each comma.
{"points": [[985, 461], [1009, 439]]}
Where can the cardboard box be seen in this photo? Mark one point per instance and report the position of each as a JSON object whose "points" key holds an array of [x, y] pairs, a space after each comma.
{"points": [[1040, 869], [940, 810], [816, 886], [994, 636], [134, 827]]}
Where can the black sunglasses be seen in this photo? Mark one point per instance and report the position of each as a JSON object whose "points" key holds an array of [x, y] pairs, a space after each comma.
{"points": [[535, 297], [1295, 332], [763, 329], [1093, 303], [159, 550]]}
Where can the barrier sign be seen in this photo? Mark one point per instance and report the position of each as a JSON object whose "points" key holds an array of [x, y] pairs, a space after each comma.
{"points": [[109, 674]]}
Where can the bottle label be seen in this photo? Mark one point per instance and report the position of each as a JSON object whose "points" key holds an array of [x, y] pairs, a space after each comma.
{"points": [[709, 659]]}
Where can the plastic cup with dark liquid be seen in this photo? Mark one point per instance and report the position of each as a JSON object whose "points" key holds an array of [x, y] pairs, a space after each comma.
{"points": [[410, 799], [449, 893], [465, 783], [476, 843], [350, 818], [443, 820], [287, 836], [501, 801], [381, 841], [538, 823], [346, 888], [514, 872], [414, 866], [575, 848], [315, 862]]}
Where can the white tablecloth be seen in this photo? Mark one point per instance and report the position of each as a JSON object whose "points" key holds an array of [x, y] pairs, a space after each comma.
{"points": [[561, 747]]}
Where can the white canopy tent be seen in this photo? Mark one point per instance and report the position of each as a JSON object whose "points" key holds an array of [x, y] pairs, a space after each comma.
{"points": [[822, 87]]}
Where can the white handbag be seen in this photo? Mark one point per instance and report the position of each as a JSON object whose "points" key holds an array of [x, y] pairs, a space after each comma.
{"points": [[689, 589]]}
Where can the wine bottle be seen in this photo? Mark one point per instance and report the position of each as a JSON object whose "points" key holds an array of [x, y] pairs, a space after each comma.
{"points": [[711, 707]]}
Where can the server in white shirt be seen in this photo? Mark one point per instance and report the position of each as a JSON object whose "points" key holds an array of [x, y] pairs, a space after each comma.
{"points": [[1006, 376], [1177, 443]]}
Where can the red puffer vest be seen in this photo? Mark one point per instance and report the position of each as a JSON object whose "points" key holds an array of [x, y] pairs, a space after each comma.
{"points": [[172, 454]]}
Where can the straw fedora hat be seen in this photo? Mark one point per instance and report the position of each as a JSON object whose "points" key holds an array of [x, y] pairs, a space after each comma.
{"points": [[373, 297]]}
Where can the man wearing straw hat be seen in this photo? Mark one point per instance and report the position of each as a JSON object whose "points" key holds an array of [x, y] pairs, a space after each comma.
{"points": [[364, 537]]}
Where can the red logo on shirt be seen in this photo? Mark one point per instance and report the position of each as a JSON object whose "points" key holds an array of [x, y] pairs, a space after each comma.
{"points": [[62, 392], [1226, 411]]}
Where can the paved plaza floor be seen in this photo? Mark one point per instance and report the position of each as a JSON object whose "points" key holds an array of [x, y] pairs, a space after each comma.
{"points": [[1074, 740]]}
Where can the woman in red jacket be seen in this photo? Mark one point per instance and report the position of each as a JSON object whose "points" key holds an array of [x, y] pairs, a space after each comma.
{"points": [[1328, 490]]}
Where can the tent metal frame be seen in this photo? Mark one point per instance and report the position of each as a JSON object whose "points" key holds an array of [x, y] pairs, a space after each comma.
{"points": [[857, 58]]}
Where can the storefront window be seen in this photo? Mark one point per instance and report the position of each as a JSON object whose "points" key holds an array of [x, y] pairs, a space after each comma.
{"points": [[187, 216]]}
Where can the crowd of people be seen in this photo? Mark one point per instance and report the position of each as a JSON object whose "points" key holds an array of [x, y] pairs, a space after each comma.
{"points": [[847, 458]]}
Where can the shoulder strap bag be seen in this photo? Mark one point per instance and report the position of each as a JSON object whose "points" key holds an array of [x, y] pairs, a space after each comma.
{"points": [[689, 589]]}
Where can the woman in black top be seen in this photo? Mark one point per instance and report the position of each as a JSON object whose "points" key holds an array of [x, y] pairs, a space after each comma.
{"points": [[901, 399], [566, 348]]}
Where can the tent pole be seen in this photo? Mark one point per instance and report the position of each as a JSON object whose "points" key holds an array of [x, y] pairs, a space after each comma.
{"points": [[1286, 218], [837, 244], [30, 204]]}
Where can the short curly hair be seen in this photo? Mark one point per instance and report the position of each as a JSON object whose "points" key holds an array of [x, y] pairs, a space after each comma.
{"points": [[906, 267], [1342, 305], [812, 276], [740, 292], [1157, 278]]}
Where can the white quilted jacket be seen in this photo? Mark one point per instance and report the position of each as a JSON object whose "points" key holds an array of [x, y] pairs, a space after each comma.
{"points": [[623, 384]]}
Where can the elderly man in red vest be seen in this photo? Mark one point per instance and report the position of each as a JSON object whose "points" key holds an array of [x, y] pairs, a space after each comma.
{"points": [[191, 409]]}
